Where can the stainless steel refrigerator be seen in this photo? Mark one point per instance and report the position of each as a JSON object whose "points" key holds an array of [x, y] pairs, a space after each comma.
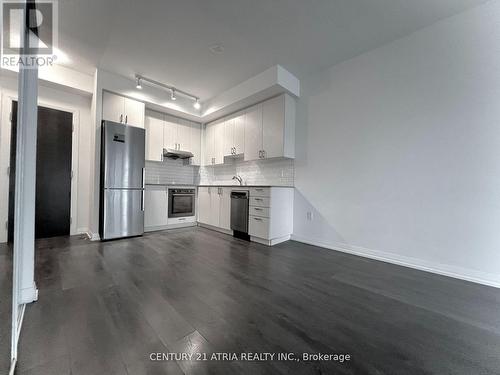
{"points": [[122, 181]]}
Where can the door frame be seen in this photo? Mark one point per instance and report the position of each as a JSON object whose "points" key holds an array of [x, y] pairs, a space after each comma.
{"points": [[5, 135]]}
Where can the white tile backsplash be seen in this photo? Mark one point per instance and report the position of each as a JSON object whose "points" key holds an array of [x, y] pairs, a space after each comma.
{"points": [[272, 172], [171, 172]]}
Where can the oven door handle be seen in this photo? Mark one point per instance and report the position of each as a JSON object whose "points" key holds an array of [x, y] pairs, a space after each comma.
{"points": [[182, 195]]}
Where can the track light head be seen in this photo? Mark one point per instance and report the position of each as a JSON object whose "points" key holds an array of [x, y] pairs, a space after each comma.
{"points": [[139, 83], [173, 96], [196, 104]]}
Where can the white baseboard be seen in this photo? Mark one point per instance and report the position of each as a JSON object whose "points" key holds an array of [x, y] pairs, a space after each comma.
{"points": [[93, 236], [155, 228], [13, 366], [13, 362], [82, 231], [437, 268], [28, 295], [217, 229], [169, 226], [272, 242]]}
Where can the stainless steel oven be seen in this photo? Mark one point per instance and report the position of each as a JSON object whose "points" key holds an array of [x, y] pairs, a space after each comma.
{"points": [[181, 202]]}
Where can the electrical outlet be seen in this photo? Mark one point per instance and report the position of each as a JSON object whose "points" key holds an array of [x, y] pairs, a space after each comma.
{"points": [[309, 216]]}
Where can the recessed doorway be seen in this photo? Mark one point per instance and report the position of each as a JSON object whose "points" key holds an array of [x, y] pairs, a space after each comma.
{"points": [[53, 172]]}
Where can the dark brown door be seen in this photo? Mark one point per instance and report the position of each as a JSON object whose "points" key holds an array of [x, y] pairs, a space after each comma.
{"points": [[53, 173]]}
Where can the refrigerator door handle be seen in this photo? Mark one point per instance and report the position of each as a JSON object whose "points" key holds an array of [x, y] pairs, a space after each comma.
{"points": [[143, 188]]}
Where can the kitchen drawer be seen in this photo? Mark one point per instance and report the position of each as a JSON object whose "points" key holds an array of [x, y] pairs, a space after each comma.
{"points": [[259, 211], [260, 201], [181, 220], [260, 192], [258, 227]]}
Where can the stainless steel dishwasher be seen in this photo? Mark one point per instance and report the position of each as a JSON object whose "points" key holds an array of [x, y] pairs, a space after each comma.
{"points": [[239, 214]]}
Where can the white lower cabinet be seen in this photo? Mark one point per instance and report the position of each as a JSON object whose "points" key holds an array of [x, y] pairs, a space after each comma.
{"points": [[155, 208], [156, 211], [214, 206], [259, 227], [225, 208], [270, 219]]}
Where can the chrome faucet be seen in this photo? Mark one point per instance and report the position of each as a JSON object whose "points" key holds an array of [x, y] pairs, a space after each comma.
{"points": [[238, 177]]}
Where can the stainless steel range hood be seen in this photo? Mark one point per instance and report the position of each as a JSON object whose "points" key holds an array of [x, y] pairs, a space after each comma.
{"points": [[176, 154]]}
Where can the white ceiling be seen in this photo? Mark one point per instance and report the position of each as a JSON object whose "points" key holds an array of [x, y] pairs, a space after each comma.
{"points": [[169, 40]]}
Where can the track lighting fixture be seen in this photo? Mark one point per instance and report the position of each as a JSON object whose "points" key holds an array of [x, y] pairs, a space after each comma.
{"points": [[197, 104], [173, 91]]}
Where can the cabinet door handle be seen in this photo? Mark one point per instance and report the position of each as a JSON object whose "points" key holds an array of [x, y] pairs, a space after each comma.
{"points": [[258, 199], [126, 118], [257, 209], [257, 218], [121, 118]]}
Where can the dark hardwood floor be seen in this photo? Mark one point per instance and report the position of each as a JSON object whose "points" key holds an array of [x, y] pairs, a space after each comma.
{"points": [[104, 307], [5, 306]]}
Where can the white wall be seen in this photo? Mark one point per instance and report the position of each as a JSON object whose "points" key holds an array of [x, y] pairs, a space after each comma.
{"points": [[398, 150], [60, 99]]}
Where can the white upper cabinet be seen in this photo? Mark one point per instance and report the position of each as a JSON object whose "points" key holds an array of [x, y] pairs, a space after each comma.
{"points": [[239, 133], [253, 133], [166, 131], [134, 112], [273, 120], [112, 107], [234, 135], [270, 129], [265, 130], [214, 143], [195, 140], [229, 137], [184, 135], [124, 110], [209, 145], [170, 132], [154, 136], [219, 143]]}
